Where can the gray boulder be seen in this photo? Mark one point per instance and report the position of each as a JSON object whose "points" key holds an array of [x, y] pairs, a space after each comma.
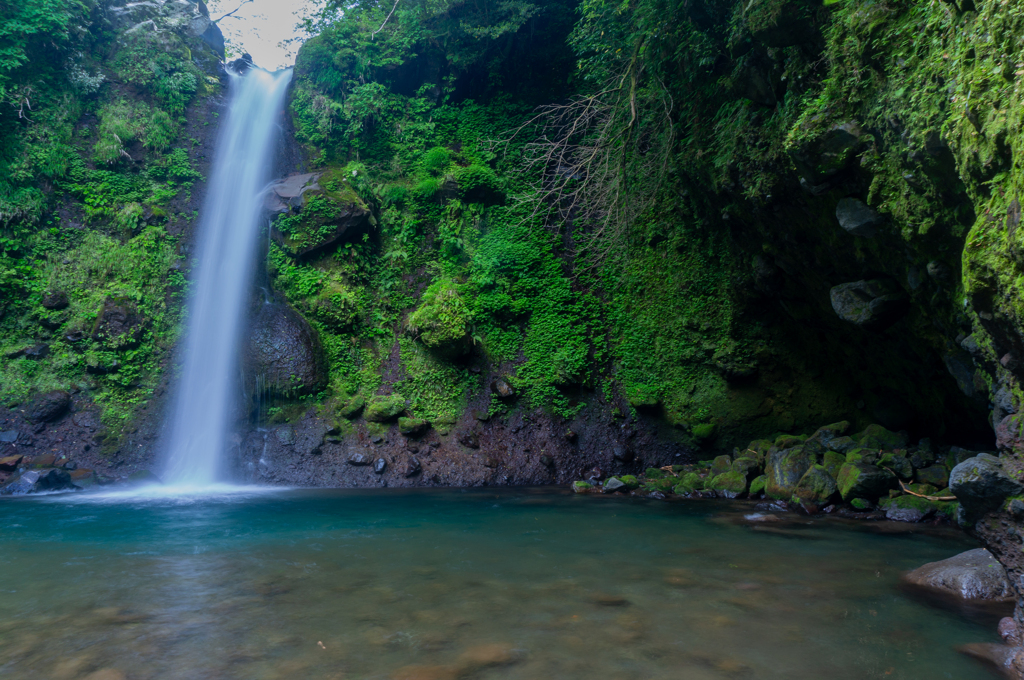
{"points": [[981, 484], [973, 575], [284, 352], [875, 304], [858, 218]]}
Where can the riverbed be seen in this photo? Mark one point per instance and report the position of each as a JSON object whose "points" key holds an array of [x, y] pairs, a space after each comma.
{"points": [[445, 584]]}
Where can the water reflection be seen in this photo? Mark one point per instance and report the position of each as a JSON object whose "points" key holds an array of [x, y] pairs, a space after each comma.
{"points": [[436, 585]]}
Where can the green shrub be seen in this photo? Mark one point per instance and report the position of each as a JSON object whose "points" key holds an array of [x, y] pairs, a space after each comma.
{"points": [[121, 122], [396, 194], [442, 320], [426, 190], [436, 160], [160, 131], [477, 180]]}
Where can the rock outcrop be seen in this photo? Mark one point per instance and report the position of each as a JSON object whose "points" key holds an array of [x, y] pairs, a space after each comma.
{"points": [[283, 355]]}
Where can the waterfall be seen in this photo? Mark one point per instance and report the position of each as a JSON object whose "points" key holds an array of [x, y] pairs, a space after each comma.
{"points": [[228, 234]]}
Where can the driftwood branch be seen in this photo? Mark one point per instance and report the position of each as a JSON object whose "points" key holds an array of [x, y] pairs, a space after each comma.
{"points": [[919, 495]]}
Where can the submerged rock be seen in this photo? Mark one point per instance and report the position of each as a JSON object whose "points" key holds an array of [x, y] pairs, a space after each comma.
{"points": [[971, 575]]}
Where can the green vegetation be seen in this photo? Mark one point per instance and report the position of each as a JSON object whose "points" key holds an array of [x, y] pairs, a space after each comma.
{"points": [[93, 182]]}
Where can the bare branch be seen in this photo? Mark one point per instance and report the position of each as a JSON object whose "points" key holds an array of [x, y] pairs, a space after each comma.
{"points": [[244, 3], [385, 20]]}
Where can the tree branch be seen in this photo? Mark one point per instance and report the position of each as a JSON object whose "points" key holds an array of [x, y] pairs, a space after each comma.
{"points": [[244, 3], [385, 19]]}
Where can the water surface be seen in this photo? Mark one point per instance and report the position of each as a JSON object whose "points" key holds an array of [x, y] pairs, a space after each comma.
{"points": [[436, 585]]}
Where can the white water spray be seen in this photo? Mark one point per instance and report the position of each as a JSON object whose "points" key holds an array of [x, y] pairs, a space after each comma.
{"points": [[228, 234]]}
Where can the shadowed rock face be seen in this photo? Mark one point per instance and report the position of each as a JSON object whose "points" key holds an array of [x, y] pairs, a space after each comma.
{"points": [[284, 352]]}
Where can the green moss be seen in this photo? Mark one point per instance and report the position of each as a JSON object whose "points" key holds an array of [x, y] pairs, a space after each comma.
{"points": [[816, 486], [704, 431], [733, 482], [581, 487], [654, 473], [757, 485], [436, 160], [630, 481], [352, 407], [441, 322], [382, 409], [412, 426]]}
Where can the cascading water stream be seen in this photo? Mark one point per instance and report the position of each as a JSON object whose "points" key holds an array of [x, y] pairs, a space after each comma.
{"points": [[228, 234]]}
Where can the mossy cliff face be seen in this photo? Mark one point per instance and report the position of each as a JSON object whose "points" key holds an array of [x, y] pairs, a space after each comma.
{"points": [[102, 163], [793, 260]]}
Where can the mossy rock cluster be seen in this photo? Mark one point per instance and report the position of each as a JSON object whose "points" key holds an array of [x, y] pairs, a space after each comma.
{"points": [[907, 483]]}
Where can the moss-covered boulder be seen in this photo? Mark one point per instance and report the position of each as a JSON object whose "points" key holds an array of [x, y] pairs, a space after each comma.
{"points": [[688, 483], [862, 455], [730, 484], [877, 437], [441, 322], [582, 487], [412, 427], [351, 408], [758, 449], [816, 486], [936, 475], [784, 470], [654, 473], [662, 485], [899, 464], [383, 409], [842, 445], [832, 462], [862, 504], [630, 481], [788, 441], [703, 432], [317, 211], [336, 306], [748, 467], [721, 464], [827, 433], [862, 480], [915, 509]]}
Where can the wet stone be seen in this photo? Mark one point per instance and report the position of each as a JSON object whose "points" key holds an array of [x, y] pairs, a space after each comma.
{"points": [[359, 459], [971, 575], [380, 465], [612, 485], [412, 467]]}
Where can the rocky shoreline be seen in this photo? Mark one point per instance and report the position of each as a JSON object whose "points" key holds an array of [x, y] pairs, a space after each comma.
{"points": [[872, 474]]}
